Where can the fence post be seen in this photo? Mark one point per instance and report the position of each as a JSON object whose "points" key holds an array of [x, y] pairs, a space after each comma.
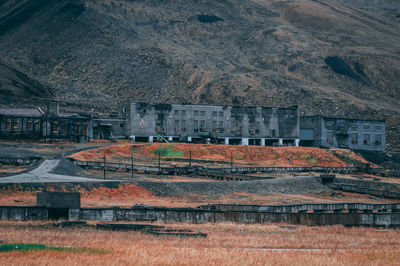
{"points": [[132, 165], [104, 166]]}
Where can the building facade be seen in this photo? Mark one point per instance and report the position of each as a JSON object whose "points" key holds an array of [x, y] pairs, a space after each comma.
{"points": [[355, 134], [76, 128], [223, 124], [20, 123]]}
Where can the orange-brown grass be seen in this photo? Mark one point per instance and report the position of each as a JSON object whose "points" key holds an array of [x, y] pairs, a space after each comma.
{"points": [[250, 155], [130, 194], [226, 244], [11, 169]]}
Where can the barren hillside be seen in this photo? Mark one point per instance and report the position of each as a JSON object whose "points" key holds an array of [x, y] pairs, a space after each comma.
{"points": [[332, 57]]}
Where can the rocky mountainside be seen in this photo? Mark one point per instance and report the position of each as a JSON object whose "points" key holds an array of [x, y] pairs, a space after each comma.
{"points": [[330, 57]]}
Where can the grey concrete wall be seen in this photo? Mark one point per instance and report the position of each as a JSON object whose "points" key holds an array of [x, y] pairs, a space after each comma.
{"points": [[337, 132], [201, 216], [222, 121], [59, 199], [23, 213]]}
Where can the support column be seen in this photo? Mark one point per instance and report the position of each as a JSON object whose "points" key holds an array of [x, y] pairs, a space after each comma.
{"points": [[169, 138], [151, 139], [132, 138], [262, 142], [280, 142], [245, 141], [296, 142], [189, 139], [226, 141]]}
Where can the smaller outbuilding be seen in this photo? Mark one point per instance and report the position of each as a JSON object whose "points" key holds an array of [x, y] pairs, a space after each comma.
{"points": [[20, 123]]}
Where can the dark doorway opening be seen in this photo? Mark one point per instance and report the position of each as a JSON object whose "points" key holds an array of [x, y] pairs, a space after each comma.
{"points": [[307, 143], [255, 142], [58, 213], [141, 139], [235, 141], [197, 140], [271, 142], [288, 142]]}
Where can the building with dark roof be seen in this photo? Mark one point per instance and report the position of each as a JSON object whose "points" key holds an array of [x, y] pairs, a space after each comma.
{"points": [[20, 123]]}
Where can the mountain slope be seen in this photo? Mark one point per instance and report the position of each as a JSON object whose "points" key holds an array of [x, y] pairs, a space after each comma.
{"points": [[331, 57]]}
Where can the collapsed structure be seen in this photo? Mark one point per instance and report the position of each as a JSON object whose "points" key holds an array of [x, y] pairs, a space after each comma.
{"points": [[237, 125]]}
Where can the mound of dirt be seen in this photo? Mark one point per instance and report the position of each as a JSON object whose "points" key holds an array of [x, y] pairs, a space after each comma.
{"points": [[292, 185], [67, 167]]}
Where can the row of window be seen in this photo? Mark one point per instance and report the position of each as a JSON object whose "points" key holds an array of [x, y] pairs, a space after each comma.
{"points": [[16, 125], [354, 139], [221, 114], [353, 127], [59, 128]]}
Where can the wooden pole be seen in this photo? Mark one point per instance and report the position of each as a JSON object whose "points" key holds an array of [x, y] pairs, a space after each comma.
{"points": [[104, 167], [159, 162], [132, 165], [231, 162], [190, 158]]}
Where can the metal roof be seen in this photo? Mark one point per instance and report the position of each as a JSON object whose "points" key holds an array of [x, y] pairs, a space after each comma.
{"points": [[20, 112]]}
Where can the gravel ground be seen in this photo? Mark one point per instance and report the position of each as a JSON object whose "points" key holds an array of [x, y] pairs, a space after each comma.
{"points": [[67, 167], [292, 185]]}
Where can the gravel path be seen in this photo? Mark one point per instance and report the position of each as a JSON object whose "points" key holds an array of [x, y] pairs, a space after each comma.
{"points": [[292, 185], [43, 174]]}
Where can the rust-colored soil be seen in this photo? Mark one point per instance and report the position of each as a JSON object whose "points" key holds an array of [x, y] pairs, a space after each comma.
{"points": [[245, 155], [129, 195]]}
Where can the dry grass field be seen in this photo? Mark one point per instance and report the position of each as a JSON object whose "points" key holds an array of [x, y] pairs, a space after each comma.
{"points": [[226, 244], [242, 155]]}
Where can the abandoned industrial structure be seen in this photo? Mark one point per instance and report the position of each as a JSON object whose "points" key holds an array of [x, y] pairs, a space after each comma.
{"points": [[355, 134], [220, 124], [237, 125], [21, 124]]}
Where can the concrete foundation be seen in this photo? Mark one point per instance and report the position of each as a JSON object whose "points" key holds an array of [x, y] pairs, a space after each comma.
{"points": [[197, 215]]}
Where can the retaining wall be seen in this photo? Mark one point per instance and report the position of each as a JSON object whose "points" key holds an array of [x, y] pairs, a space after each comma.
{"points": [[203, 216], [374, 188]]}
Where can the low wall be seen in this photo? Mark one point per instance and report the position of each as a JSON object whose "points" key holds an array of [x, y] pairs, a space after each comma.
{"points": [[173, 215], [307, 207], [374, 188], [19, 161]]}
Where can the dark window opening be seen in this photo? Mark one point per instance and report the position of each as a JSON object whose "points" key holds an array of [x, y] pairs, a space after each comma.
{"points": [[58, 213]]}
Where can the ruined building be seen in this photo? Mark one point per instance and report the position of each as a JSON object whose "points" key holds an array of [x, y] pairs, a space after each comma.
{"points": [[355, 134], [20, 123], [219, 124]]}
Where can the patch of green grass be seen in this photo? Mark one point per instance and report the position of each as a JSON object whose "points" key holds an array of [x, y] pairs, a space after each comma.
{"points": [[36, 247], [170, 146], [310, 158], [238, 157], [168, 152]]}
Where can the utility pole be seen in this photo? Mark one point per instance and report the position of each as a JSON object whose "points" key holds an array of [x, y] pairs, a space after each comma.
{"points": [[104, 166], [132, 165], [190, 158]]}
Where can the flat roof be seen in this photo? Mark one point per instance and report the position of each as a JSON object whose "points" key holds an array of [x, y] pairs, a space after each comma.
{"points": [[342, 118], [213, 105]]}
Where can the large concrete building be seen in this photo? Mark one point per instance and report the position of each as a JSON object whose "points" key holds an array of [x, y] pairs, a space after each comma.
{"points": [[355, 134], [222, 124]]}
